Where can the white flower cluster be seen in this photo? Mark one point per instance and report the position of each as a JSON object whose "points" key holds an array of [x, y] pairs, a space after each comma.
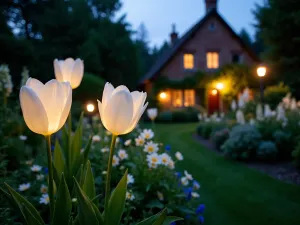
{"points": [[6, 84]]}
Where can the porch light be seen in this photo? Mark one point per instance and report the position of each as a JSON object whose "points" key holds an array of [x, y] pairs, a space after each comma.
{"points": [[163, 95], [220, 86], [214, 91], [90, 107], [261, 71]]}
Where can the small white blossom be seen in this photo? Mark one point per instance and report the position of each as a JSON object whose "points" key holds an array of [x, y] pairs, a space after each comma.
{"points": [[36, 168], [115, 161], [104, 172], [40, 176], [96, 138], [24, 187], [165, 158], [127, 142], [153, 160], [44, 189], [171, 164], [130, 179], [122, 154], [160, 196], [147, 134], [139, 141], [195, 195], [45, 199], [179, 156], [23, 137], [151, 147], [184, 181], [130, 196], [188, 176], [103, 150], [74, 199]]}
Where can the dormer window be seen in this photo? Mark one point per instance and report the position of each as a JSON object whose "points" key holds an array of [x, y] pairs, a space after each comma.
{"points": [[188, 61]]}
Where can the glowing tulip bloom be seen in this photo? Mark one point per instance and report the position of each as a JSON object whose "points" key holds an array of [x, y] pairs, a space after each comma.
{"points": [[45, 107], [120, 109], [152, 113], [69, 70]]}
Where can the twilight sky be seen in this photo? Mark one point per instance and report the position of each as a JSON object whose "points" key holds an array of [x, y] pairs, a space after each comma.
{"points": [[158, 15]]}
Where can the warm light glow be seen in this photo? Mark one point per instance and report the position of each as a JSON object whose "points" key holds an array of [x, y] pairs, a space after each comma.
{"points": [[220, 86], [177, 98], [189, 97], [90, 107], [212, 60], [261, 71], [163, 95], [188, 61], [214, 92]]}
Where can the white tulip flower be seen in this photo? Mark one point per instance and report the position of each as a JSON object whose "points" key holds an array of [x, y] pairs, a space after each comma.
{"points": [[152, 113], [121, 110], [69, 70], [45, 107]]}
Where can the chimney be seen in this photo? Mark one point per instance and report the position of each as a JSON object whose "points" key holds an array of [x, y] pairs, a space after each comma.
{"points": [[210, 5], [173, 35]]}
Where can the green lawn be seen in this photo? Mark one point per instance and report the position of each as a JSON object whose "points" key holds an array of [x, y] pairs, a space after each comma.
{"points": [[233, 194]]}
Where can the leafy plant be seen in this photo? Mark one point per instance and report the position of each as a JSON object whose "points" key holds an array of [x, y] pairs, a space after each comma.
{"points": [[242, 143], [219, 137], [266, 151]]}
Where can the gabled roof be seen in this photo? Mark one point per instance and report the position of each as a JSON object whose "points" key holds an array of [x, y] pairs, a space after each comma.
{"points": [[168, 55]]}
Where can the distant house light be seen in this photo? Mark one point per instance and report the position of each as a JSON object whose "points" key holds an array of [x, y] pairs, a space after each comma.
{"points": [[188, 61], [163, 95], [212, 60]]}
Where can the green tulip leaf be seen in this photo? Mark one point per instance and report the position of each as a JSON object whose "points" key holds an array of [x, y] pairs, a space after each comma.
{"points": [[22, 203], [161, 218], [152, 219], [71, 221], [59, 161], [76, 146], [63, 203], [55, 175], [98, 214], [86, 212], [89, 183], [87, 150], [116, 202], [31, 220], [171, 219]]}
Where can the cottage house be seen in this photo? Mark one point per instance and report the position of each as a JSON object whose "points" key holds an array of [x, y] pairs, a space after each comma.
{"points": [[208, 45]]}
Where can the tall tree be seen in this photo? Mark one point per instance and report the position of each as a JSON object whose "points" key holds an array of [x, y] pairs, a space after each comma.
{"points": [[246, 37], [278, 23]]}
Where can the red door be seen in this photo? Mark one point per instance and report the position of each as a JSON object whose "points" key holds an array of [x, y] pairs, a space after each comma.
{"points": [[213, 101]]}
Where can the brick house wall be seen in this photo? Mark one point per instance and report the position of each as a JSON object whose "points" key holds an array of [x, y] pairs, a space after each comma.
{"points": [[219, 39]]}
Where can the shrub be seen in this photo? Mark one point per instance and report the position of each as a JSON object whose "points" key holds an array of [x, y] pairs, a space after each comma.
{"points": [[219, 137], [242, 143], [90, 88], [182, 115], [266, 151], [267, 127], [283, 144], [250, 110], [205, 129], [296, 154], [273, 95]]}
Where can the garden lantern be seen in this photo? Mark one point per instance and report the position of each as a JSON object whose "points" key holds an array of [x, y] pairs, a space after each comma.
{"points": [[261, 72], [220, 87], [90, 107]]}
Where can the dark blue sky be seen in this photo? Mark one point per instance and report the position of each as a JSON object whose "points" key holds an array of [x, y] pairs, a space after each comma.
{"points": [[158, 15]]}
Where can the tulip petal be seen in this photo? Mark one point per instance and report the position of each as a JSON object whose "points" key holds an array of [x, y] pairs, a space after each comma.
{"points": [[120, 88], [53, 99], [77, 73], [67, 103], [57, 71], [100, 108], [139, 99], [118, 113], [107, 93], [36, 85], [137, 117], [67, 67], [34, 113]]}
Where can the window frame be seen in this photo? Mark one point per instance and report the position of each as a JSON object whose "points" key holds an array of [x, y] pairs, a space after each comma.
{"points": [[193, 60], [213, 52]]}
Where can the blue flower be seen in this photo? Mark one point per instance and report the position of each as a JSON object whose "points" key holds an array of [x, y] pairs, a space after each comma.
{"points": [[45, 170], [168, 148], [200, 209], [178, 175], [196, 185], [201, 219], [52, 147], [187, 216], [188, 193]]}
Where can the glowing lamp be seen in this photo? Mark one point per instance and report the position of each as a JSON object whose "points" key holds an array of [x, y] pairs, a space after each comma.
{"points": [[220, 86], [163, 95], [261, 71], [90, 107], [214, 92]]}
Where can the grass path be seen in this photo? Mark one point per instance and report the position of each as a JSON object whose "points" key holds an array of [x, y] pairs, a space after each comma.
{"points": [[232, 193]]}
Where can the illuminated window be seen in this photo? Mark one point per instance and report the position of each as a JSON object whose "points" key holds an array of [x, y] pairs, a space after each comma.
{"points": [[189, 97], [177, 98], [212, 60], [188, 61]]}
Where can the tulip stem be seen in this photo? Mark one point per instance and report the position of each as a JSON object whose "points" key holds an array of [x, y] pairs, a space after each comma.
{"points": [[51, 191], [108, 176]]}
